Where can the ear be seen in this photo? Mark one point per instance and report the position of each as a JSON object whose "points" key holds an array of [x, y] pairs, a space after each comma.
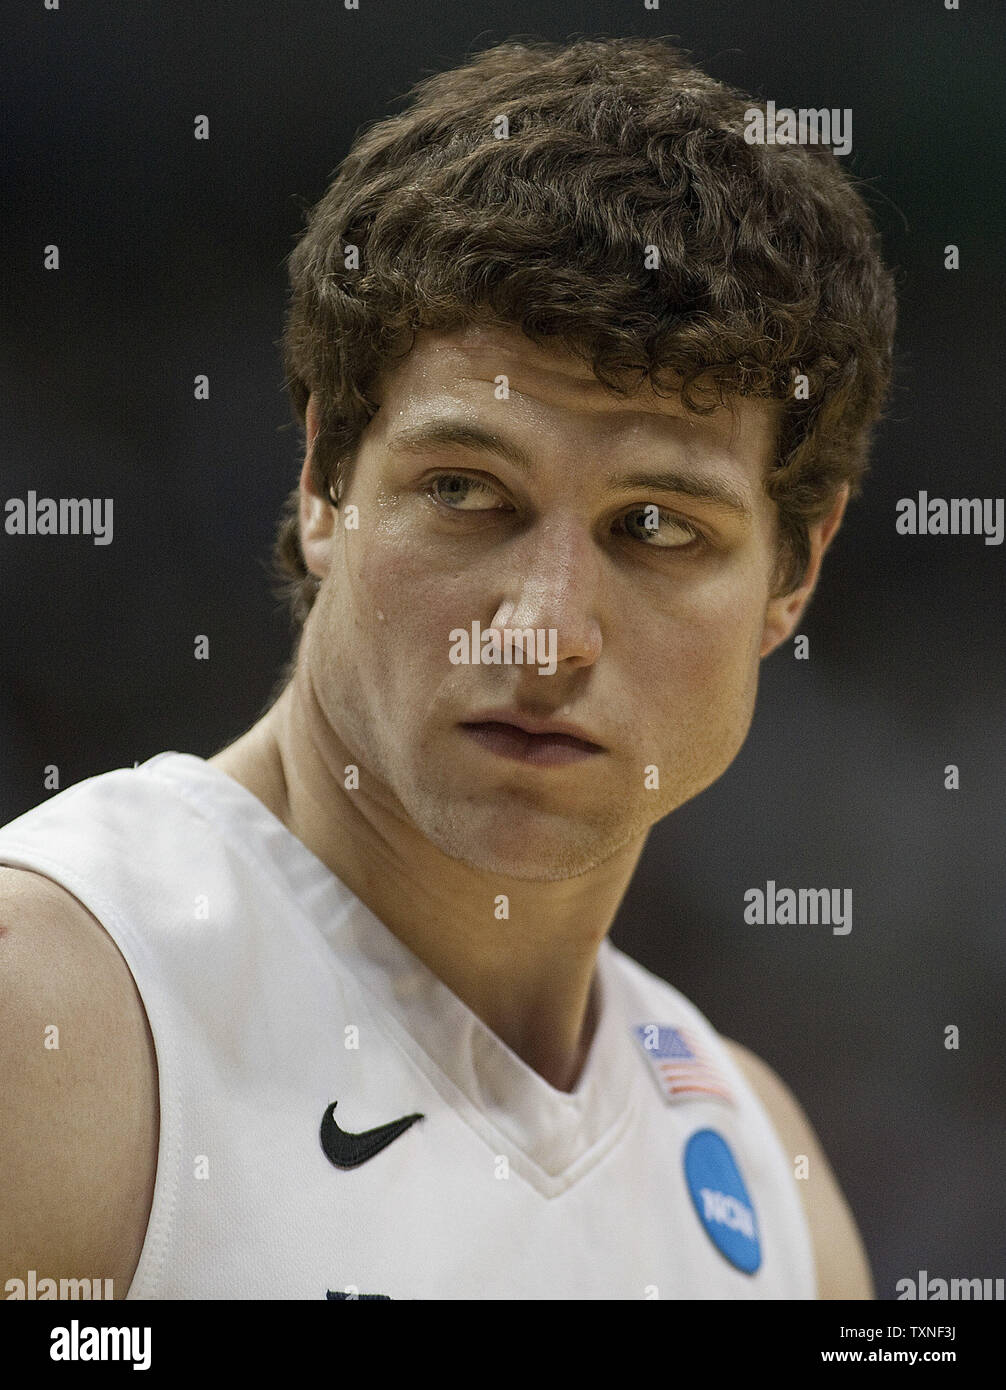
{"points": [[782, 614], [317, 514]]}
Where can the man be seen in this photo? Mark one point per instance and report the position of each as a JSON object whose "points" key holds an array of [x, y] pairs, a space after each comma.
{"points": [[587, 380]]}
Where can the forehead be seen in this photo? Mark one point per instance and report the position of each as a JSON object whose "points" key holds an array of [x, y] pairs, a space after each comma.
{"points": [[553, 399]]}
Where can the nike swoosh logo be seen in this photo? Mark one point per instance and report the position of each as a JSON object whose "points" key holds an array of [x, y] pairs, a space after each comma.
{"points": [[348, 1150]]}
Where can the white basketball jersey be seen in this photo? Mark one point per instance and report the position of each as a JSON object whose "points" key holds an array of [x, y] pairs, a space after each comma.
{"points": [[288, 1021]]}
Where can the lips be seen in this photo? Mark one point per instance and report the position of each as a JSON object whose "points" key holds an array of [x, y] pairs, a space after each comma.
{"points": [[537, 742], [552, 728]]}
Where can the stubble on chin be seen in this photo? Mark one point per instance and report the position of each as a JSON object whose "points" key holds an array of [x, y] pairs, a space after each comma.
{"points": [[529, 846]]}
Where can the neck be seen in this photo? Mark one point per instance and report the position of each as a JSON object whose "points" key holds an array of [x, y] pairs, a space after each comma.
{"points": [[525, 966]]}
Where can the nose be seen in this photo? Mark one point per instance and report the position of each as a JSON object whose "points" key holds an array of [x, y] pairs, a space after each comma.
{"points": [[555, 585]]}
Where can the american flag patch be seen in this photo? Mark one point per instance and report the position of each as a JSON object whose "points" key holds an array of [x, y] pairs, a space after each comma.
{"points": [[680, 1067]]}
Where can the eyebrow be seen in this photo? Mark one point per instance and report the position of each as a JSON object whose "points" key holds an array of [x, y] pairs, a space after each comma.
{"points": [[717, 492]]}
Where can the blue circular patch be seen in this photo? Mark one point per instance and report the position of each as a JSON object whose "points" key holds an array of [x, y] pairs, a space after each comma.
{"points": [[721, 1200]]}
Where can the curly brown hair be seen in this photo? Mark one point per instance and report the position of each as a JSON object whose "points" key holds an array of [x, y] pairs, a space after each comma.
{"points": [[769, 262]]}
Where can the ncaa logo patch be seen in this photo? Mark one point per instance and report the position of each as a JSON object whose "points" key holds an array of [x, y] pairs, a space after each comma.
{"points": [[721, 1200]]}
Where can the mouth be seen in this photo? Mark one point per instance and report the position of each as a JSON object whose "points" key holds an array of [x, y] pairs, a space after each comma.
{"points": [[539, 744]]}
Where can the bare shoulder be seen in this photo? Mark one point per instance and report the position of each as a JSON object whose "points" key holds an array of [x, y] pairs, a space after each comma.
{"points": [[843, 1270], [79, 1107]]}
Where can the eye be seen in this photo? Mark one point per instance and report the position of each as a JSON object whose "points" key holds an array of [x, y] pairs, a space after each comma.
{"points": [[458, 490], [663, 530]]}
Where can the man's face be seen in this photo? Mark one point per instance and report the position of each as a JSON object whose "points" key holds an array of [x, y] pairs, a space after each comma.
{"points": [[660, 616]]}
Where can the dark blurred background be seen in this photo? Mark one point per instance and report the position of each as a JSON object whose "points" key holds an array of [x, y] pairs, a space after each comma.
{"points": [[172, 264]]}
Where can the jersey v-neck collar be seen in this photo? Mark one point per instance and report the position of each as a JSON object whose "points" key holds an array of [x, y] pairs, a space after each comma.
{"points": [[551, 1137]]}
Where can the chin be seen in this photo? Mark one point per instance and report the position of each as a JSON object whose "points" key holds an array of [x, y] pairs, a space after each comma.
{"points": [[530, 849]]}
